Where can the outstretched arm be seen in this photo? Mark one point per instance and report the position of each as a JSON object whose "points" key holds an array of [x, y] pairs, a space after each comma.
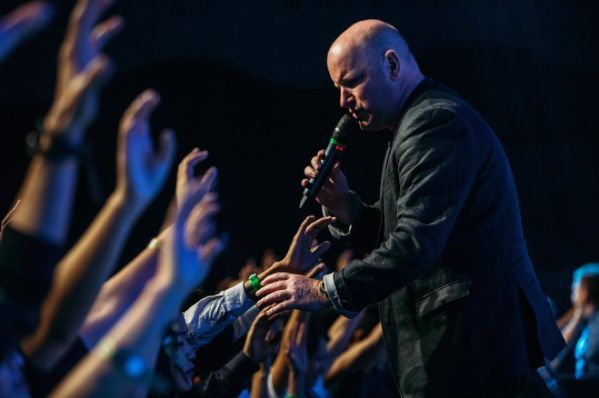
{"points": [[135, 339], [79, 276], [47, 193]]}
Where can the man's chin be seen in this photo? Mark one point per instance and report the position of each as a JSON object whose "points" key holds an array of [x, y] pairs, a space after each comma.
{"points": [[367, 125]]}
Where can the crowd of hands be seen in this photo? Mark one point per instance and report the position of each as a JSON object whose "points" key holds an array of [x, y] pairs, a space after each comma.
{"points": [[130, 311]]}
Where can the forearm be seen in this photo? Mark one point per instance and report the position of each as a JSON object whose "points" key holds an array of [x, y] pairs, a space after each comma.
{"points": [[571, 330], [117, 295], [360, 356], [339, 340], [296, 384], [280, 371], [211, 315], [77, 281], [259, 383], [46, 198], [139, 332]]}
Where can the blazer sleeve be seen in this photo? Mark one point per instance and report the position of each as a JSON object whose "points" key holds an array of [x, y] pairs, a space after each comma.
{"points": [[436, 165]]}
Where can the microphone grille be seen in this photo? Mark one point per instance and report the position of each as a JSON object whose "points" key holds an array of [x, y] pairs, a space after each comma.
{"points": [[346, 129]]}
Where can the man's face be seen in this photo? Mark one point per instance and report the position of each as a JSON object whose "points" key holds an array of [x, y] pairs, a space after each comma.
{"points": [[364, 86], [578, 295], [181, 356]]}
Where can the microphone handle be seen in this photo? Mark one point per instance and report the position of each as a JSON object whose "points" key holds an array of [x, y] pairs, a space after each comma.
{"points": [[331, 156]]}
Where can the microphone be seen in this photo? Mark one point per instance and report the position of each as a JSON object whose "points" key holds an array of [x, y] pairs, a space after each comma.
{"points": [[342, 135]]}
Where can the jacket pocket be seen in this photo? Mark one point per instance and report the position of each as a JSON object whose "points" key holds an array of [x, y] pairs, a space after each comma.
{"points": [[441, 296]]}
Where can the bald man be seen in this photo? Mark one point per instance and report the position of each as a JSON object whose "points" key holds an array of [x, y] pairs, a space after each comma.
{"points": [[462, 310]]}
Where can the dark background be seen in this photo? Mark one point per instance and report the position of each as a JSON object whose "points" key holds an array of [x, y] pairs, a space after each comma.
{"points": [[248, 81]]}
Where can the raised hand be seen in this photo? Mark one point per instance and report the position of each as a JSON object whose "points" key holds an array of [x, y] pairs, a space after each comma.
{"points": [[259, 343], [209, 247], [201, 229], [296, 348], [284, 291], [141, 171], [81, 69], [190, 248], [186, 181], [302, 254], [21, 24]]}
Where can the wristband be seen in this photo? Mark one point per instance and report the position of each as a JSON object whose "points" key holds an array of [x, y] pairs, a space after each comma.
{"points": [[54, 148], [254, 283]]}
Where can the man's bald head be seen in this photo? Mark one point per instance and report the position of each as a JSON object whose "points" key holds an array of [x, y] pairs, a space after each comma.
{"points": [[370, 37], [371, 65]]}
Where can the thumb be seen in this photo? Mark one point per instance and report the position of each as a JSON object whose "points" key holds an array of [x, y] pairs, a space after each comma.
{"points": [[167, 149]]}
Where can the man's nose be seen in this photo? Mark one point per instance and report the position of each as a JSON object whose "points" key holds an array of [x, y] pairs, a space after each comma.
{"points": [[345, 98]]}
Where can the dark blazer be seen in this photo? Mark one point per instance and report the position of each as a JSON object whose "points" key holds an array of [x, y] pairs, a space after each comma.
{"points": [[462, 310]]}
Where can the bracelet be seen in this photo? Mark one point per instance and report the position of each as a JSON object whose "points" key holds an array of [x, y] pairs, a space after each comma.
{"points": [[54, 148], [57, 148], [254, 282], [322, 289], [129, 364], [155, 244]]}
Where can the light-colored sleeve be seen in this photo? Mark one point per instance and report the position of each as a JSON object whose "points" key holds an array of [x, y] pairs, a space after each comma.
{"points": [[211, 315], [331, 289], [242, 324]]}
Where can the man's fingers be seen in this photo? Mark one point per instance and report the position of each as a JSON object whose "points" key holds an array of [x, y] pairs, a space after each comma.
{"points": [[315, 227], [279, 276], [189, 162], [144, 105], [319, 250], [302, 228], [93, 73], [273, 298], [208, 180], [167, 148], [271, 287], [106, 31], [84, 16], [278, 309], [315, 270], [309, 172], [315, 162], [214, 247], [92, 13], [207, 207]]}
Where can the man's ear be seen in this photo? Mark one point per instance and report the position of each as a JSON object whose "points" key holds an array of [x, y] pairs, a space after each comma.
{"points": [[392, 63]]}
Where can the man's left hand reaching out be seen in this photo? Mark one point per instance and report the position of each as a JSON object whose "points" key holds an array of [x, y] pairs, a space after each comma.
{"points": [[284, 291]]}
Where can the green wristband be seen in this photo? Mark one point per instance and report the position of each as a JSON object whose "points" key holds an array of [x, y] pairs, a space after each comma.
{"points": [[254, 282]]}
